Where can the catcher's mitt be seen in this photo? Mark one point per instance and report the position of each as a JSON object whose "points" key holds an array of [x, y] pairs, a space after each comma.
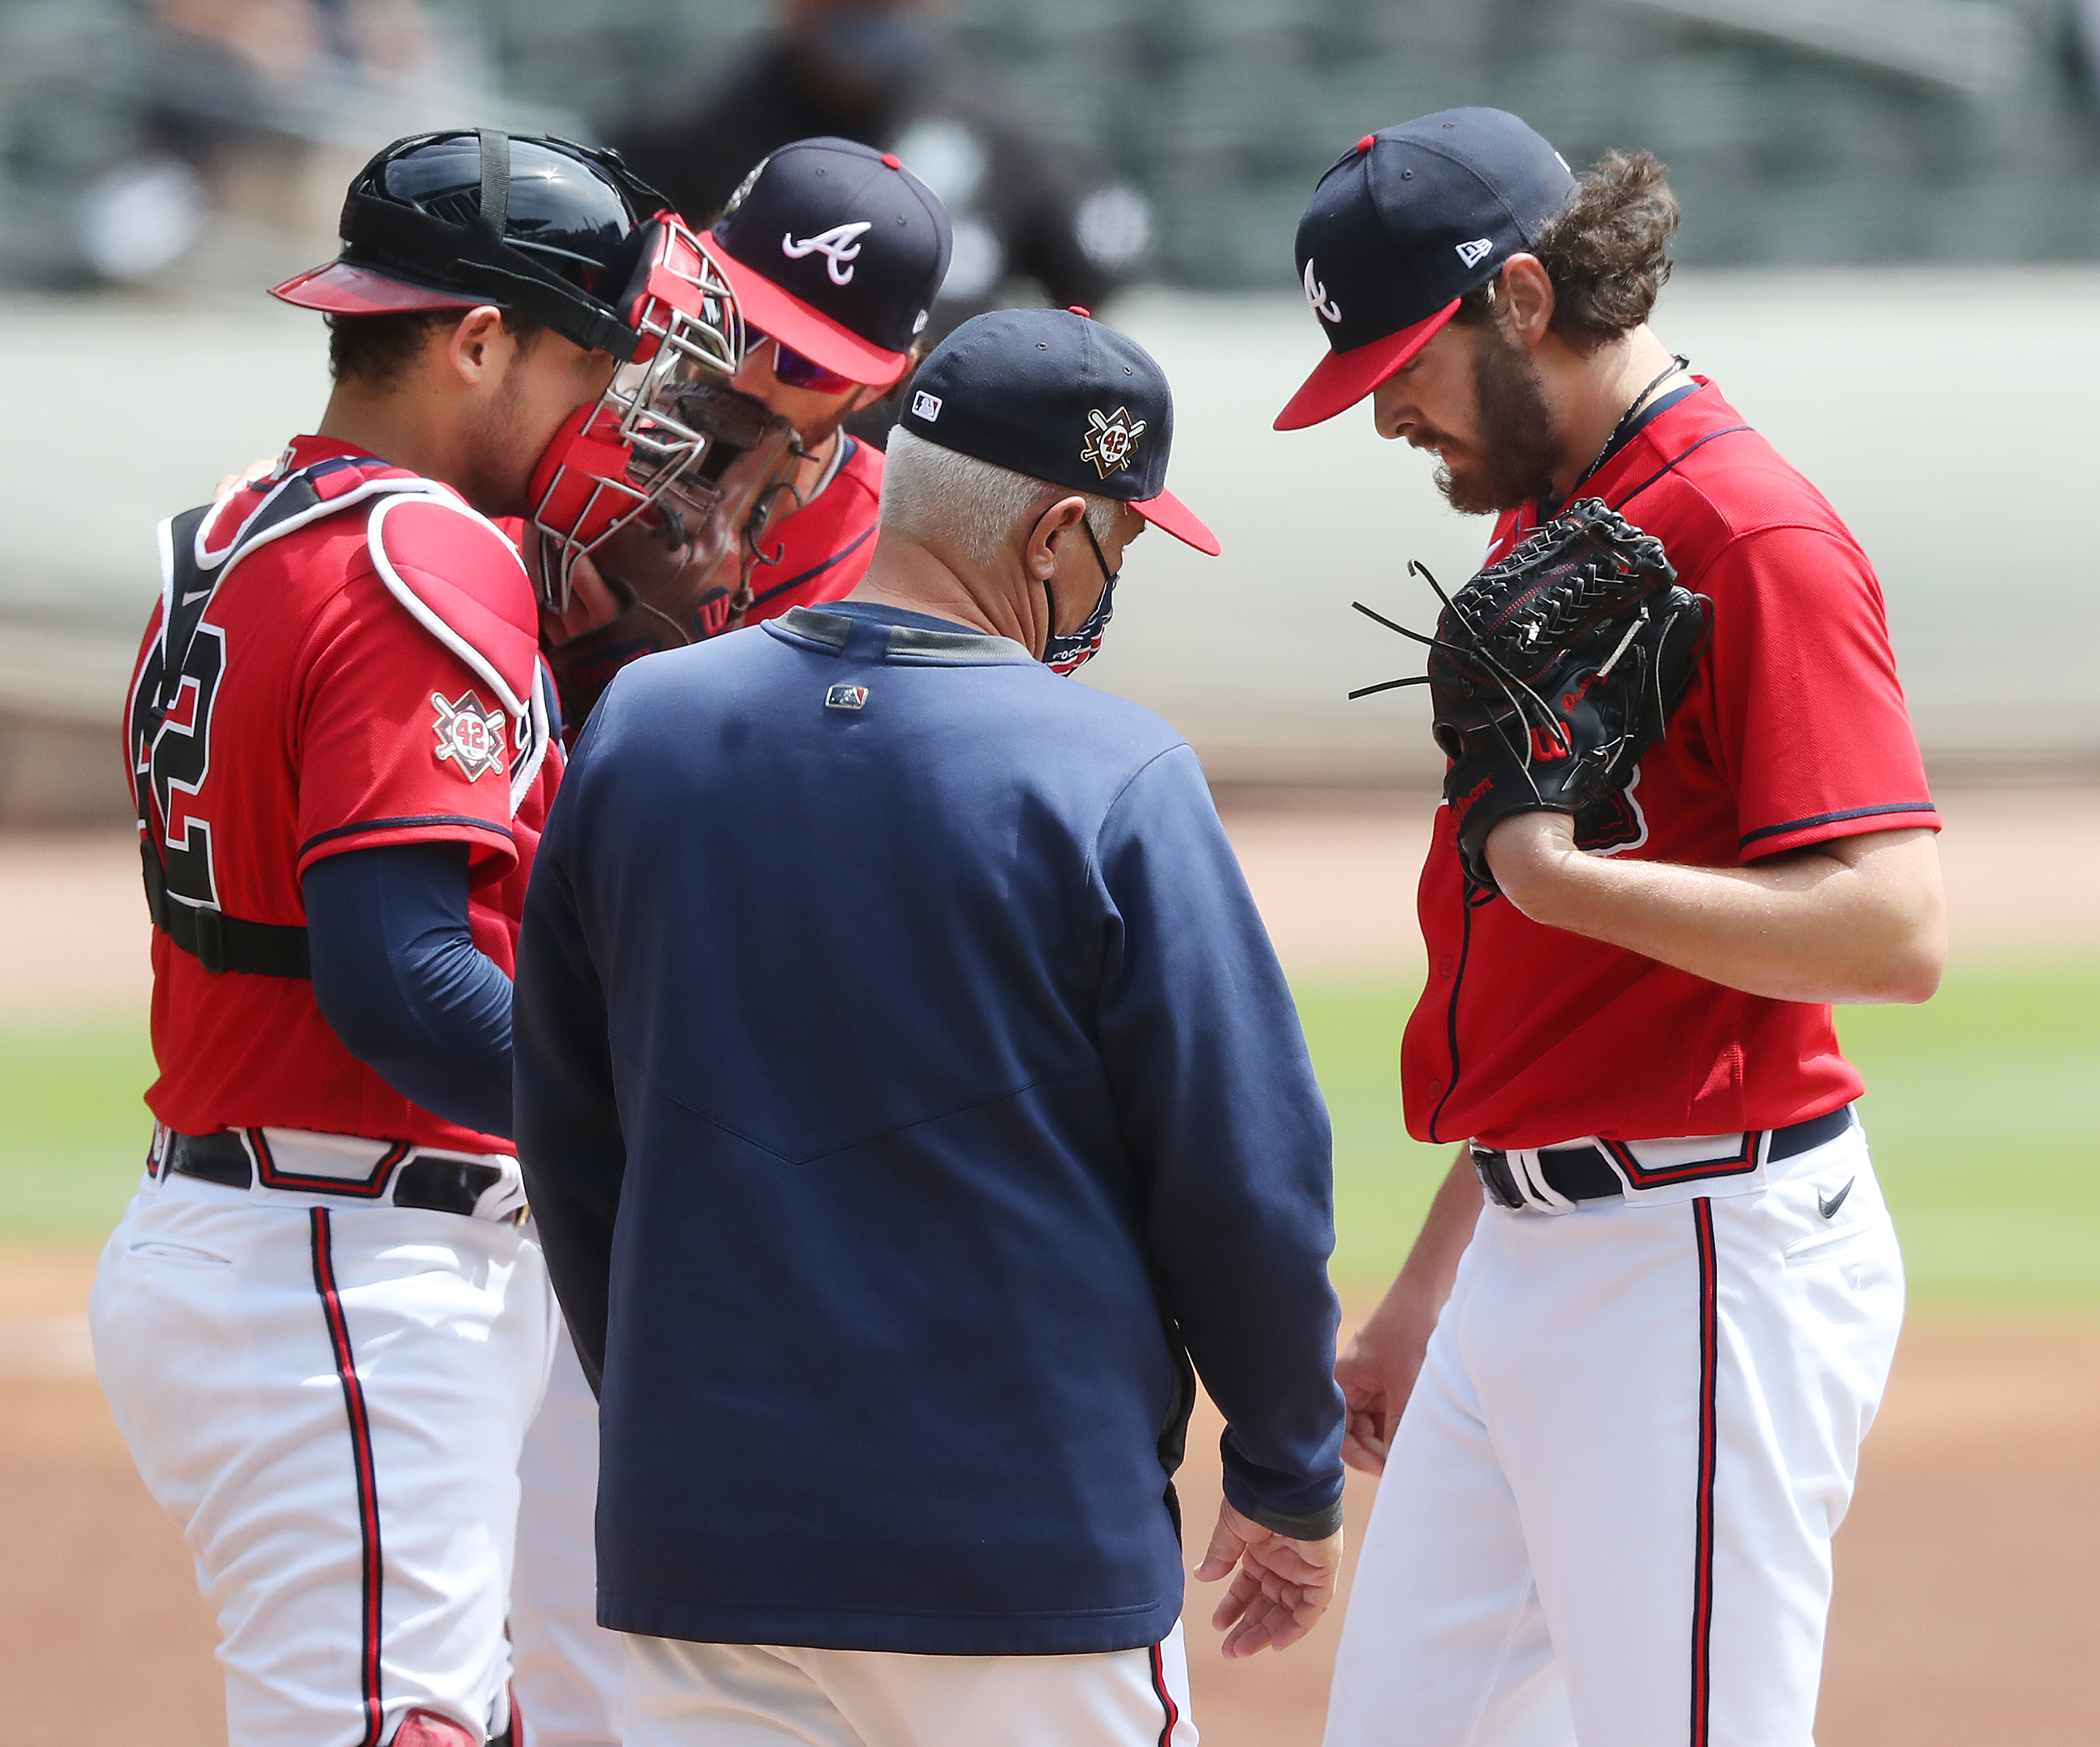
{"points": [[1553, 671]]}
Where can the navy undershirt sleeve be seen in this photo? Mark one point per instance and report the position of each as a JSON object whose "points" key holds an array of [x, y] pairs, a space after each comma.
{"points": [[399, 977]]}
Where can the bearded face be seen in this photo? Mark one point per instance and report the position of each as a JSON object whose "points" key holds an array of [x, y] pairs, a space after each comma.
{"points": [[1511, 459]]}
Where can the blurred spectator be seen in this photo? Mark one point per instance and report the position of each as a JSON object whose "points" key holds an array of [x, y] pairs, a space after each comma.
{"points": [[213, 136], [1033, 221], [231, 87]]}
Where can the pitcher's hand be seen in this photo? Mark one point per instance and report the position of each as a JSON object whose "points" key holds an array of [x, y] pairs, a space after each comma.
{"points": [[1377, 1372]]}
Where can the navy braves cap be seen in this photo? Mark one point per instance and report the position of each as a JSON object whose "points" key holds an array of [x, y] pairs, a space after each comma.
{"points": [[1403, 225], [836, 249], [1055, 395]]}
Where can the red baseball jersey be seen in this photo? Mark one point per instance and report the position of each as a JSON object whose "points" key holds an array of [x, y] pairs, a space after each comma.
{"points": [[365, 676], [1794, 732], [819, 553]]}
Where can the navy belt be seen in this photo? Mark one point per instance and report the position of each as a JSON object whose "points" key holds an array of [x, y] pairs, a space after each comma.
{"points": [[1587, 1173], [441, 1185]]}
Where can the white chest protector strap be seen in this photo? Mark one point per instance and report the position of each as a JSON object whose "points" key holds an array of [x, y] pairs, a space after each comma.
{"points": [[192, 569], [531, 729]]}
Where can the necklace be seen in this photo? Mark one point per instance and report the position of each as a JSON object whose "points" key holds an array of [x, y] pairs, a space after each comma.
{"points": [[1678, 362]]}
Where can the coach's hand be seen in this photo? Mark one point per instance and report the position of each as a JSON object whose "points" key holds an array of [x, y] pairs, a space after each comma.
{"points": [[1279, 1586]]}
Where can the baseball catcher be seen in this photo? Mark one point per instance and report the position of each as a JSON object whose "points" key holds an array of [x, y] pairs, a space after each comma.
{"points": [[323, 1325], [1552, 672]]}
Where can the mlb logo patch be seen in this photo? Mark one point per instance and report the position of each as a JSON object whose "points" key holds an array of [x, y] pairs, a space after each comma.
{"points": [[468, 737], [845, 698], [925, 406]]}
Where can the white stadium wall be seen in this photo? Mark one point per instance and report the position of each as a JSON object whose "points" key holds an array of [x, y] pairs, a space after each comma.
{"points": [[1949, 416]]}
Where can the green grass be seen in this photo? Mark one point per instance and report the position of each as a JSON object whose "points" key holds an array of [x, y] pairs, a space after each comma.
{"points": [[73, 1127], [1980, 1108]]}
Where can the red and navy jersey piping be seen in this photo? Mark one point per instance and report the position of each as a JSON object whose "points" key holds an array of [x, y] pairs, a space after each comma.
{"points": [[413, 821], [838, 556], [1451, 1010], [369, 1187], [1815, 819], [1740, 1163]]}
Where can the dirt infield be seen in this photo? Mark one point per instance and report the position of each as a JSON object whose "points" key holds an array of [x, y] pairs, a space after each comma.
{"points": [[1967, 1611], [1968, 1608]]}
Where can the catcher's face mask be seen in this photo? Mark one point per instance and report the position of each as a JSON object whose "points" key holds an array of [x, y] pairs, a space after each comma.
{"points": [[611, 461], [675, 572]]}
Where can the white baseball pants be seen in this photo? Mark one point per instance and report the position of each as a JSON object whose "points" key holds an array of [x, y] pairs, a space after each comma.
{"points": [[1606, 1516], [571, 1672], [700, 1695], [329, 1401]]}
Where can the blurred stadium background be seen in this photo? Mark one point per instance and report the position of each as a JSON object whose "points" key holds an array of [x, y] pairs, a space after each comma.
{"points": [[1893, 216], [1891, 261]]}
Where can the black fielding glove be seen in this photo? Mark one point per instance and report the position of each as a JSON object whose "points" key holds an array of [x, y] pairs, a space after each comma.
{"points": [[1555, 669]]}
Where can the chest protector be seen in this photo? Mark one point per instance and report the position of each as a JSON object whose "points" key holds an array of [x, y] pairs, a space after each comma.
{"points": [[495, 638]]}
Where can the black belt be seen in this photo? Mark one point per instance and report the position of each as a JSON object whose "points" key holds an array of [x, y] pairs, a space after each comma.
{"points": [[1586, 1173], [441, 1185]]}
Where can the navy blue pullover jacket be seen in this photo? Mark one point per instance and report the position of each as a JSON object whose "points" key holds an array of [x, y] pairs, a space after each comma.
{"points": [[905, 1090]]}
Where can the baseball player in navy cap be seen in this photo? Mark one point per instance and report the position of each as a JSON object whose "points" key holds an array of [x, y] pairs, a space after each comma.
{"points": [[837, 252], [910, 1098], [1651, 1313]]}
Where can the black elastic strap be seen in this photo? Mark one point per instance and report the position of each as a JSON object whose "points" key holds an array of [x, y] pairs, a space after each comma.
{"points": [[220, 942], [495, 181]]}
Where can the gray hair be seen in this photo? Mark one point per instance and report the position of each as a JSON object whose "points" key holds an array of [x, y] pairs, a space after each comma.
{"points": [[929, 492]]}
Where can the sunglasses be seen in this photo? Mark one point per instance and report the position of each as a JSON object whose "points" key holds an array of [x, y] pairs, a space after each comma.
{"points": [[791, 368]]}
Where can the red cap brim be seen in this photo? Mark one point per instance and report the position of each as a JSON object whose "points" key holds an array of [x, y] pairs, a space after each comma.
{"points": [[342, 289], [781, 315], [1169, 512], [1343, 378]]}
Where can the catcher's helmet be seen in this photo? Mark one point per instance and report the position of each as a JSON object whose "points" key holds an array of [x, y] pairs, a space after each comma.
{"points": [[542, 229], [562, 235]]}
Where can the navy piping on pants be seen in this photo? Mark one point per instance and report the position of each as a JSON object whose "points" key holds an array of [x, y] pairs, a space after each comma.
{"points": [[367, 1478], [1166, 1698], [1702, 1573]]}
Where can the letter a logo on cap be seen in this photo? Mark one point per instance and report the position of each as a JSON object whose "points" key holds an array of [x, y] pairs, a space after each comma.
{"points": [[1316, 294], [836, 246], [1473, 254]]}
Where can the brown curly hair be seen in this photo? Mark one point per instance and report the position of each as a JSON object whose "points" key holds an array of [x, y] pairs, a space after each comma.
{"points": [[1608, 255]]}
